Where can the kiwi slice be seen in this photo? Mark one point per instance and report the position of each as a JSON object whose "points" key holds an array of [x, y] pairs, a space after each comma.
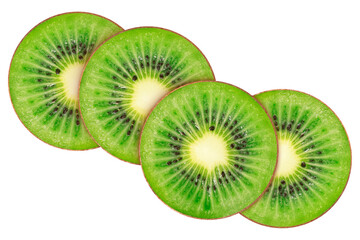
{"points": [[314, 160], [208, 150], [45, 73], [124, 79]]}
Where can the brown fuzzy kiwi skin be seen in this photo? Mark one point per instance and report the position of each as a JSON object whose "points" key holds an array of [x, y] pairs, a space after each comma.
{"points": [[278, 146], [277, 156], [12, 58], [159, 100]]}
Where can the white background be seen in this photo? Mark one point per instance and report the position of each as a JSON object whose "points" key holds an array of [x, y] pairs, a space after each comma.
{"points": [[311, 46]]}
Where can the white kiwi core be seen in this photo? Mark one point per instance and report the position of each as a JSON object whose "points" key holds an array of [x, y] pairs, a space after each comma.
{"points": [[147, 93], [71, 77], [209, 151], [288, 160]]}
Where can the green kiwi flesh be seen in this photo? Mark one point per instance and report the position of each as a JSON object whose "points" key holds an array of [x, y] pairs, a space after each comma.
{"points": [[124, 79], [208, 150], [45, 73], [314, 160]]}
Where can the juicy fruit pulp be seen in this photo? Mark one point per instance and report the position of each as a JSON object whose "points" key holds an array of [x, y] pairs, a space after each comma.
{"points": [[314, 160], [45, 73], [208, 150], [125, 78]]}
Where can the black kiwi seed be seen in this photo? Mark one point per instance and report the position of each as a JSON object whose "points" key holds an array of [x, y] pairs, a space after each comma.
{"points": [[303, 164], [212, 128], [77, 122], [176, 147], [134, 78], [275, 117], [283, 182], [57, 71]]}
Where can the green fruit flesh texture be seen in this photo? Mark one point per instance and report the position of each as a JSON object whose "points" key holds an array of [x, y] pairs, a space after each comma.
{"points": [[38, 94], [107, 86], [185, 116], [325, 159]]}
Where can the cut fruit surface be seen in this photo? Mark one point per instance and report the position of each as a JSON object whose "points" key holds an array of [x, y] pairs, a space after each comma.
{"points": [[45, 74], [208, 150], [125, 78], [314, 160]]}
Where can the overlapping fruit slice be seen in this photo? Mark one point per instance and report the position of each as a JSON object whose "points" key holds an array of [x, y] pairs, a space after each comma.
{"points": [[208, 150], [314, 160], [45, 73], [124, 79]]}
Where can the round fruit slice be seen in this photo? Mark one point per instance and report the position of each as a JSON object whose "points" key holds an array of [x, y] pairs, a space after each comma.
{"points": [[208, 150], [314, 160], [45, 73], [124, 79]]}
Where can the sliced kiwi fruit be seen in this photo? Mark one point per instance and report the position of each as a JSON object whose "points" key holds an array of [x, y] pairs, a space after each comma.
{"points": [[126, 76], [314, 160], [45, 73], [208, 150]]}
